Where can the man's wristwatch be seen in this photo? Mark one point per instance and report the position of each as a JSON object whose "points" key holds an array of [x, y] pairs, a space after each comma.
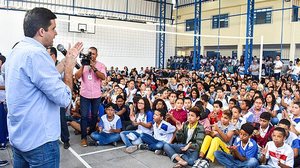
{"points": [[95, 70]]}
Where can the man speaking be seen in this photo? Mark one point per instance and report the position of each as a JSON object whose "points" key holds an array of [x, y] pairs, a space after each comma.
{"points": [[35, 92]]}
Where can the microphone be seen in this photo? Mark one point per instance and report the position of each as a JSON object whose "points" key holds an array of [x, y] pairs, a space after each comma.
{"points": [[62, 49]]}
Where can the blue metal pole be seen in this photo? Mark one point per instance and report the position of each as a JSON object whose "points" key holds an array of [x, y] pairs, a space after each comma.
{"points": [[249, 34], [197, 32], [162, 37]]}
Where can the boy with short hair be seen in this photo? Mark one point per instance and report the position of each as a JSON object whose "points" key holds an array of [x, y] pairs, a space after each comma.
{"points": [[190, 136], [263, 133], [187, 103], [122, 111], [109, 127], [243, 152], [246, 114], [237, 120], [216, 115], [291, 139], [277, 152], [162, 133]]}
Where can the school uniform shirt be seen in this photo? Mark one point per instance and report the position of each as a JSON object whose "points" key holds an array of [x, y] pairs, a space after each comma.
{"points": [[249, 117], [264, 136], [107, 125], [169, 106], [130, 94], [226, 129], [164, 131], [292, 140], [296, 123], [239, 123], [145, 118], [209, 107], [284, 153], [288, 100], [250, 150]]}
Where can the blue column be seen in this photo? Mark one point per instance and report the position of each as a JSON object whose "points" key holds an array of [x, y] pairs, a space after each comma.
{"points": [[161, 36], [249, 33], [197, 31]]}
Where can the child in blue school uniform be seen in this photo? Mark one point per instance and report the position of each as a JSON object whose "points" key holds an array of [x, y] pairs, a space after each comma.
{"points": [[109, 127], [143, 120], [162, 133], [243, 152]]}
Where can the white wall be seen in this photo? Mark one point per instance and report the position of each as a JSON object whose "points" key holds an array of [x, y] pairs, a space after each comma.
{"points": [[116, 46]]}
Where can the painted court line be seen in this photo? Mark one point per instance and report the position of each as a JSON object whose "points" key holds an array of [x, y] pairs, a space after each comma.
{"points": [[79, 158], [101, 151]]}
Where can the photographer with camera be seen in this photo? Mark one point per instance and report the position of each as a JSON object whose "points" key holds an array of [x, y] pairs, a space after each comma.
{"points": [[92, 72]]}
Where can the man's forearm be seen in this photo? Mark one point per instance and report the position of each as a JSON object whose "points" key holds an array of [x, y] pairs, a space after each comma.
{"points": [[79, 73], [100, 75], [68, 77]]}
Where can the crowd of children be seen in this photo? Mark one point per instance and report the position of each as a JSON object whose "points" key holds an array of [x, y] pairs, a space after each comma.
{"points": [[197, 119]]}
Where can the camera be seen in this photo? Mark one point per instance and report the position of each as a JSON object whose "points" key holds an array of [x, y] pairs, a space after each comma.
{"points": [[85, 58]]}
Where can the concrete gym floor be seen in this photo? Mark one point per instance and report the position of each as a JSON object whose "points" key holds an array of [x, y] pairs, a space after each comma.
{"points": [[103, 157]]}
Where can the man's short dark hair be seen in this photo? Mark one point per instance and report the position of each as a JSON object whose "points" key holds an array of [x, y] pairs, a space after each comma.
{"points": [[35, 19], [94, 48]]}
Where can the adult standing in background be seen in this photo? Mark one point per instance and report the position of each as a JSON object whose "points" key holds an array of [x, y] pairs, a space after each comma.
{"points": [[64, 131], [3, 114], [254, 69], [277, 67], [90, 92], [35, 92]]}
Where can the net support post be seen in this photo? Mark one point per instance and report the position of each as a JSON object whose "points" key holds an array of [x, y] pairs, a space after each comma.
{"points": [[261, 55], [161, 36], [197, 32]]}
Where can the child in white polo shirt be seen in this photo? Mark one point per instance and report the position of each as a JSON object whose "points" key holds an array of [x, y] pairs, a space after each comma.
{"points": [[109, 127], [162, 133], [278, 153]]}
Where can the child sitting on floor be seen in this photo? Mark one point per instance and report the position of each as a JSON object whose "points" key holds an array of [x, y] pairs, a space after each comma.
{"points": [[190, 136], [243, 152], [162, 133], [277, 153], [219, 139], [109, 127]]}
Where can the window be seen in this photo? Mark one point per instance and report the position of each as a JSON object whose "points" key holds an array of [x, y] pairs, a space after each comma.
{"points": [[296, 14], [189, 25], [223, 21], [263, 16]]}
